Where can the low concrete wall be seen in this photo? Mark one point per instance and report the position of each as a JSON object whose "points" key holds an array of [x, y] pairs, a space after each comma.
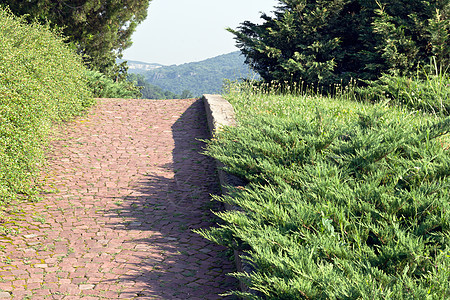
{"points": [[219, 113]]}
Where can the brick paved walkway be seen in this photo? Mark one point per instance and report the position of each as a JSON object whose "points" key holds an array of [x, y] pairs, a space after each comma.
{"points": [[131, 187]]}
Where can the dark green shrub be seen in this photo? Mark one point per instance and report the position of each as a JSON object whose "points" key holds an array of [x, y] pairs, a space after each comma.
{"points": [[327, 42], [105, 87], [99, 29], [409, 33], [339, 206], [41, 82]]}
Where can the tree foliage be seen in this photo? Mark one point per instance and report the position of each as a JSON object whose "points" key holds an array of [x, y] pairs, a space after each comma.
{"points": [[104, 87], [323, 41], [99, 29]]}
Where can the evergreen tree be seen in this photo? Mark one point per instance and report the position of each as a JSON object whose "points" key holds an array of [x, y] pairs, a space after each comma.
{"points": [[411, 32], [329, 41], [99, 29]]}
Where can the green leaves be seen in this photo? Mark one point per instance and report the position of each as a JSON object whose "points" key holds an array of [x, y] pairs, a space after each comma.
{"points": [[101, 30], [104, 87], [41, 82]]}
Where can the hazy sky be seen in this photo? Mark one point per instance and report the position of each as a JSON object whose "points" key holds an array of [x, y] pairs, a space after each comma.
{"points": [[181, 31]]}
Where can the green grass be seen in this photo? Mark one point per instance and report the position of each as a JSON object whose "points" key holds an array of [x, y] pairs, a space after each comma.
{"points": [[253, 102], [345, 200], [42, 82], [428, 90]]}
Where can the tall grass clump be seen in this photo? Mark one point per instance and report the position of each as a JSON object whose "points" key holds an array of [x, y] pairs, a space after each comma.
{"points": [[345, 200], [251, 99], [41, 82], [428, 90]]}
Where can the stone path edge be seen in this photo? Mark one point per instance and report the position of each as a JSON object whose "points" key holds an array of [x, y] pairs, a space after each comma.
{"points": [[220, 113]]}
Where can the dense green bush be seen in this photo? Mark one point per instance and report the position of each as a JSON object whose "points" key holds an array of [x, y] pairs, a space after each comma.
{"points": [[104, 87], [345, 201], [41, 82], [99, 29], [327, 42]]}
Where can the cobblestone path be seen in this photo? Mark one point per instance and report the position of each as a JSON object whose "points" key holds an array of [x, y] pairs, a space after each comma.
{"points": [[131, 186]]}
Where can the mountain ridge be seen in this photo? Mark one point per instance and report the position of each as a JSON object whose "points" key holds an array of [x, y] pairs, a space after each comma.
{"points": [[202, 77], [137, 67]]}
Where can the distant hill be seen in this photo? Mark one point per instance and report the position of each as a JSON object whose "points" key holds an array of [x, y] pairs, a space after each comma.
{"points": [[198, 78], [139, 67]]}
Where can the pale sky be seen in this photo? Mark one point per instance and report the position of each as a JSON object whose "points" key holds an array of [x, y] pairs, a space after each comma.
{"points": [[181, 31]]}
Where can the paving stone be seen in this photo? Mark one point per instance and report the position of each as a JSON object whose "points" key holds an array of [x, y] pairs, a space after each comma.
{"points": [[87, 286], [205, 250], [30, 236], [130, 185], [41, 266]]}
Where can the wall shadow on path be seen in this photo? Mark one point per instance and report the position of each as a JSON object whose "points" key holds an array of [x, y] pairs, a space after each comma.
{"points": [[165, 258]]}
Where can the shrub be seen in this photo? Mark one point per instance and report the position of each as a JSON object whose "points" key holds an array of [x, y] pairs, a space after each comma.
{"points": [[99, 29], [327, 42], [345, 201], [105, 87], [41, 82]]}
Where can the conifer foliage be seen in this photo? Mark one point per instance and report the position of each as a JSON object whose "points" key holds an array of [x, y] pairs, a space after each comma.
{"points": [[323, 41], [352, 210], [99, 29]]}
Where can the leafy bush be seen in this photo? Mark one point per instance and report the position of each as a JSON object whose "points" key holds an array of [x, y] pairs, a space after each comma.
{"points": [[99, 29], [41, 82], [345, 201], [105, 87]]}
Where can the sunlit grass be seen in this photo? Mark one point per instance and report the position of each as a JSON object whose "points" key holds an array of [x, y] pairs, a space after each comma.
{"points": [[250, 101]]}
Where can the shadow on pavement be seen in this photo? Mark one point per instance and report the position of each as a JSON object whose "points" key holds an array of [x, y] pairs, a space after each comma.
{"points": [[168, 260]]}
